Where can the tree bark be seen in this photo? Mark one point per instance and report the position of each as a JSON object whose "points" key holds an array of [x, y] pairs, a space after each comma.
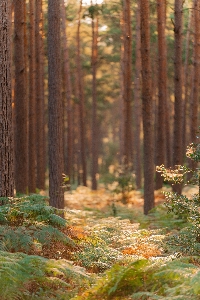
{"points": [[127, 84], [137, 102], [178, 108], [40, 107], [32, 100], [162, 91], [68, 93], [81, 103], [147, 109], [94, 103], [56, 163], [186, 84], [20, 99], [196, 74], [6, 129]]}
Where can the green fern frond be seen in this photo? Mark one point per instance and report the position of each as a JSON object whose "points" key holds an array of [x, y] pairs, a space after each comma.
{"points": [[28, 210], [24, 239], [32, 277]]}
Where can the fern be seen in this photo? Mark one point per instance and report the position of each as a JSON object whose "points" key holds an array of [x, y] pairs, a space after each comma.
{"points": [[29, 210], [34, 277], [164, 278], [32, 239]]}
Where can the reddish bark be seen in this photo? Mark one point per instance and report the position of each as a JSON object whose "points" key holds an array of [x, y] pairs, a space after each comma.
{"points": [[147, 109]]}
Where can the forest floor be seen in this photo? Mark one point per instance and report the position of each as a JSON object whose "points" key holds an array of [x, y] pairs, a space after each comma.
{"points": [[106, 250]]}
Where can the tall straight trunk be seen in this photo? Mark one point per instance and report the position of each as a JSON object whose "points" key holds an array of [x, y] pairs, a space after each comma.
{"points": [[32, 100], [20, 99], [137, 103], [162, 91], [168, 134], [40, 107], [196, 74], [94, 103], [121, 102], [56, 163], [81, 102], [186, 84], [68, 93], [6, 128], [147, 109], [127, 81], [178, 108]]}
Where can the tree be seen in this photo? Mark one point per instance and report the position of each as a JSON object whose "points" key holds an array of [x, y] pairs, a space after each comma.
{"points": [[137, 103], [196, 80], [81, 102], [32, 100], [186, 83], [196, 74], [56, 163], [40, 107], [68, 88], [162, 90], [6, 130], [127, 84], [178, 108], [20, 98], [94, 15], [147, 112]]}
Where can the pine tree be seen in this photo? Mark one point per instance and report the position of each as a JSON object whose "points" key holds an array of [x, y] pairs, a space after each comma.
{"points": [[55, 111], [32, 100], [6, 130], [20, 98], [147, 109]]}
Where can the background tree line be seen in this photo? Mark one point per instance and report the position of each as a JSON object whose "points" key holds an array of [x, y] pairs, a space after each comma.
{"points": [[111, 84]]}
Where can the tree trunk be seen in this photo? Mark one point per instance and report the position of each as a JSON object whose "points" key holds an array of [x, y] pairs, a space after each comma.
{"points": [[32, 100], [162, 91], [196, 72], [68, 93], [127, 82], [6, 129], [56, 163], [81, 102], [178, 108], [20, 99], [137, 103], [147, 109], [94, 103], [121, 102], [186, 84], [40, 107]]}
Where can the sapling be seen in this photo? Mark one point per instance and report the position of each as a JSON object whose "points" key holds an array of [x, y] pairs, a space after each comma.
{"points": [[184, 207]]}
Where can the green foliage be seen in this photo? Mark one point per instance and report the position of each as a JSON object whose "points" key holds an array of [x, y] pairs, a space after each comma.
{"points": [[31, 239], [187, 241], [97, 258], [32, 277], [29, 210], [162, 278], [28, 225], [123, 181], [31, 226], [161, 217]]}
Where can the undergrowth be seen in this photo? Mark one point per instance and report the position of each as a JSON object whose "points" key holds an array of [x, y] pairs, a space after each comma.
{"points": [[33, 277], [96, 254], [161, 278], [34, 242], [31, 226]]}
